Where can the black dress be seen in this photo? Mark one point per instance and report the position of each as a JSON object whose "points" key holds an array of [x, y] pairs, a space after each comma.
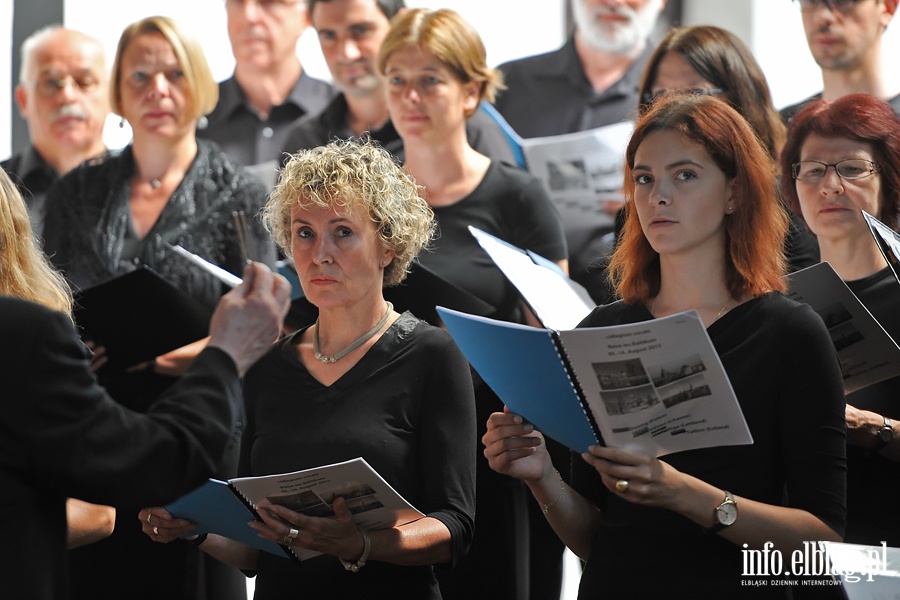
{"points": [[407, 408], [512, 205], [873, 481], [783, 368]]}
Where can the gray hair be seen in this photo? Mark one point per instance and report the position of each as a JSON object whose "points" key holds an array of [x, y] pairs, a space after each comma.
{"points": [[41, 36]]}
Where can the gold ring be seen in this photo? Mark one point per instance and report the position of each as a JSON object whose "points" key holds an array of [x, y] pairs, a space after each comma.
{"points": [[156, 531], [622, 485]]}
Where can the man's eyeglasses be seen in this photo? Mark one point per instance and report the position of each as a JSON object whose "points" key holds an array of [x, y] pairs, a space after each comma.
{"points": [[851, 168], [268, 6], [51, 85], [651, 97], [841, 6]]}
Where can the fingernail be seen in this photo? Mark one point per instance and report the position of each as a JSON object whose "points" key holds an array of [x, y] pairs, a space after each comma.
{"points": [[528, 427]]}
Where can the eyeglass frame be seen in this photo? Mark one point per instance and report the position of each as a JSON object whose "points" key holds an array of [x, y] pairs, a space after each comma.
{"points": [[874, 168], [267, 6], [840, 6], [651, 97], [60, 83]]}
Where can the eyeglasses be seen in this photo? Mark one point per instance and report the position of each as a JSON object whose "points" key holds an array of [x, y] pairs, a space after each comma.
{"points": [[51, 85], [841, 6], [651, 97], [851, 168], [267, 6]]}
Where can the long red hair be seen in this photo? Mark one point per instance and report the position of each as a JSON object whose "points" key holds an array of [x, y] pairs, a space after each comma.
{"points": [[754, 232]]}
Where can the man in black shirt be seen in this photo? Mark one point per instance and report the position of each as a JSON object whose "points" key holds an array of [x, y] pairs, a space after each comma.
{"points": [[63, 95], [269, 89], [844, 37]]}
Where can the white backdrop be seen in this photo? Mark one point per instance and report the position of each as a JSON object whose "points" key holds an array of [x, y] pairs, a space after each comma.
{"points": [[771, 28]]}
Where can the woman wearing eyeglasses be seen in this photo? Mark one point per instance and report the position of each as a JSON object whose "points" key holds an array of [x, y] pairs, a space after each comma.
{"points": [[109, 217], [709, 60], [845, 157]]}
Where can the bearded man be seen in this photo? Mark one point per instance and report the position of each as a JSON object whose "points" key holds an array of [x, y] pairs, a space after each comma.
{"points": [[592, 80]]}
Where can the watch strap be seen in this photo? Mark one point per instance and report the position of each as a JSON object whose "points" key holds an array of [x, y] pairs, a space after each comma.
{"points": [[718, 525], [885, 435]]}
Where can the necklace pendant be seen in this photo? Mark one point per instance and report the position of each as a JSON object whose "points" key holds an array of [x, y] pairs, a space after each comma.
{"points": [[325, 359]]}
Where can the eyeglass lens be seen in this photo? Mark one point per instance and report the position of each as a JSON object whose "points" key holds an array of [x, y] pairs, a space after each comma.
{"points": [[842, 6], [853, 168], [52, 85]]}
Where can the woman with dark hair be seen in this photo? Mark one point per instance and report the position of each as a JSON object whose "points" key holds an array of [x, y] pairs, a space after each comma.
{"points": [[708, 60], [704, 231], [844, 157]]}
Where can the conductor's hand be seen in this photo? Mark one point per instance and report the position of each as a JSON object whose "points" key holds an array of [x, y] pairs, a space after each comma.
{"points": [[513, 447], [249, 317]]}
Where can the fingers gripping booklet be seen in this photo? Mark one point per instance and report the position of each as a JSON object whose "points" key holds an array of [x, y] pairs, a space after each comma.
{"points": [[226, 508], [656, 386]]}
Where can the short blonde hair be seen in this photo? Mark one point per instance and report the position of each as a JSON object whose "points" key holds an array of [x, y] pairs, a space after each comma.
{"points": [[355, 174], [449, 38], [25, 271], [202, 87]]}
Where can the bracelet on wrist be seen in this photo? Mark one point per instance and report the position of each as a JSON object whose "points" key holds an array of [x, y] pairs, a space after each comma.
{"points": [[197, 540], [545, 508], [352, 566]]}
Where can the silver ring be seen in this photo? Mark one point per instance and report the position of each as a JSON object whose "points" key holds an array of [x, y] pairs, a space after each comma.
{"points": [[149, 516], [291, 536], [156, 531], [622, 485]]}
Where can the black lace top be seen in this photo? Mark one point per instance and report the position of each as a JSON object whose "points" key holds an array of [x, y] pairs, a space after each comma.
{"points": [[89, 231]]}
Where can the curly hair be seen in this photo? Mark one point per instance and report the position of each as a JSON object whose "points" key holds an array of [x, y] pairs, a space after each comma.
{"points": [[25, 271], [754, 233], [352, 174]]}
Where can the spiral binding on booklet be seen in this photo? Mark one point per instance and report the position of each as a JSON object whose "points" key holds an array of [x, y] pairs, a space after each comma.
{"points": [[252, 508], [576, 385]]}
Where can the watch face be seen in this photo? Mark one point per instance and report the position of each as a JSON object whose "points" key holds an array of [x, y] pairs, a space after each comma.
{"points": [[726, 514], [886, 434]]}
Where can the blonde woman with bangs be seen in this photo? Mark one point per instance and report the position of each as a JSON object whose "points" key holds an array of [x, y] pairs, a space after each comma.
{"points": [[126, 211], [436, 71], [362, 381]]}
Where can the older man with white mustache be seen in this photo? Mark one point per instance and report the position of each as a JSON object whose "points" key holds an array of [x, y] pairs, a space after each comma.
{"points": [[63, 95]]}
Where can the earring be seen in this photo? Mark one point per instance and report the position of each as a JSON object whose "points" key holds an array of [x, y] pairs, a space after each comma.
{"points": [[122, 123], [728, 208]]}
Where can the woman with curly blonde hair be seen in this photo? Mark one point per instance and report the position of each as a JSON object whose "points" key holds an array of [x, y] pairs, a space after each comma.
{"points": [[362, 381]]}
